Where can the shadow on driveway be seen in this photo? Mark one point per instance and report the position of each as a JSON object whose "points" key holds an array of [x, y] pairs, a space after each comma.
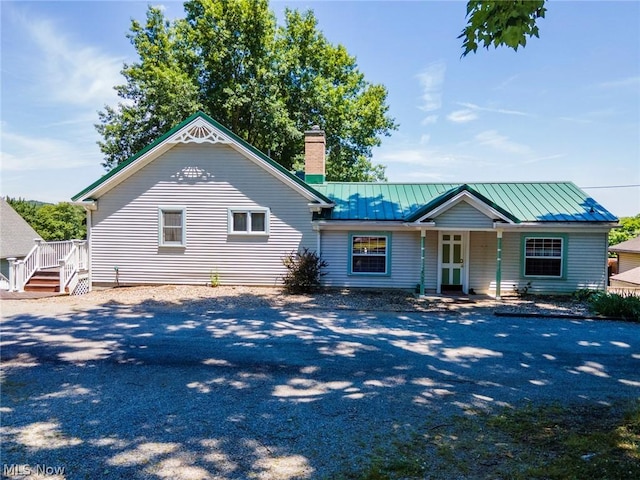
{"points": [[207, 389]]}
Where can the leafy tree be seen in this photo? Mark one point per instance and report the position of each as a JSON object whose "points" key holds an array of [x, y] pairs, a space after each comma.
{"points": [[630, 228], [322, 86], [158, 94], [501, 23], [26, 208], [62, 221], [267, 83]]}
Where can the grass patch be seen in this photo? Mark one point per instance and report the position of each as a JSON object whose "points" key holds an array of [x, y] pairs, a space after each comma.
{"points": [[533, 442]]}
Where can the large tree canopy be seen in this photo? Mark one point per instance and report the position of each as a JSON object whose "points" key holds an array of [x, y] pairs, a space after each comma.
{"points": [[501, 23], [265, 82]]}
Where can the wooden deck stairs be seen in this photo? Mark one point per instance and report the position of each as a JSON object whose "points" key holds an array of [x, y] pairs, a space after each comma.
{"points": [[45, 280], [51, 267]]}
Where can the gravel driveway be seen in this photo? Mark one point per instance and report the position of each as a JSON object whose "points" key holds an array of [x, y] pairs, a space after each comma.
{"points": [[236, 387]]}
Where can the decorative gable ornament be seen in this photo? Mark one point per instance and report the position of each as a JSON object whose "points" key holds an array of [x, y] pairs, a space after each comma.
{"points": [[200, 131]]}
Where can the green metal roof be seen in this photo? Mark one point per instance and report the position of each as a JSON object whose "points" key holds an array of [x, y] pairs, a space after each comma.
{"points": [[223, 129], [519, 201], [408, 202]]}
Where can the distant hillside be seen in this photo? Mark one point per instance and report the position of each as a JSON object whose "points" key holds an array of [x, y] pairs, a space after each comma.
{"points": [[35, 203]]}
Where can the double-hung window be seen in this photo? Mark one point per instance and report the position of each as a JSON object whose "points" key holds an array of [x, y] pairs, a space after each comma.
{"points": [[172, 226], [249, 222], [543, 256], [369, 254]]}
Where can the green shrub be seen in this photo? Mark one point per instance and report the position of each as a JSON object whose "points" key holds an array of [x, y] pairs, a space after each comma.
{"points": [[584, 294], [304, 271], [624, 305]]}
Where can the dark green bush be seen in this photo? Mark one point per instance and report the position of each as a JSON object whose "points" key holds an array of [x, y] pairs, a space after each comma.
{"points": [[304, 271], [624, 305], [584, 294]]}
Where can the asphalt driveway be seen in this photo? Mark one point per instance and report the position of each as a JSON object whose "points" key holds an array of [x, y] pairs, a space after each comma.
{"points": [[193, 390]]}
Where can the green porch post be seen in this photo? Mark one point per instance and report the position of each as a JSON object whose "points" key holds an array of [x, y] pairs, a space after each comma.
{"points": [[499, 265], [422, 239]]}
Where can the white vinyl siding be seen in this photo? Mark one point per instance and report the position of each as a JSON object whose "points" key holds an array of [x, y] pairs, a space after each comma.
{"points": [[463, 216], [586, 265], [404, 267], [208, 180], [482, 261]]}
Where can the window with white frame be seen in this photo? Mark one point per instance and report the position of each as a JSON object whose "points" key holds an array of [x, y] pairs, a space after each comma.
{"points": [[369, 254], [243, 222], [172, 226], [543, 256]]}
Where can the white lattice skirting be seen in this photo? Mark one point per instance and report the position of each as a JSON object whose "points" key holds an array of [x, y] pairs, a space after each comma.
{"points": [[82, 287]]}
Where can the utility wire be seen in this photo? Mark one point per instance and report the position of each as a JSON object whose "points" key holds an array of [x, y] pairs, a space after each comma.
{"points": [[614, 186]]}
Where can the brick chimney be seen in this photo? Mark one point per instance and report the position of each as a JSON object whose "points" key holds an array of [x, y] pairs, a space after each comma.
{"points": [[314, 152]]}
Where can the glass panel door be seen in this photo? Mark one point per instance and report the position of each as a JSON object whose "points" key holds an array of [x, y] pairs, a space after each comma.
{"points": [[452, 248]]}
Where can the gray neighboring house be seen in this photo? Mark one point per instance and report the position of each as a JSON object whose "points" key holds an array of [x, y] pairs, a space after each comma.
{"points": [[16, 237], [628, 275]]}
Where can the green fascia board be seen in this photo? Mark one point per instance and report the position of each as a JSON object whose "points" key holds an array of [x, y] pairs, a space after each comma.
{"points": [[445, 197], [224, 130]]}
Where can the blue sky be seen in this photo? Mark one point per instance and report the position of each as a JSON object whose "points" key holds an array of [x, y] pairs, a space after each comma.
{"points": [[566, 107]]}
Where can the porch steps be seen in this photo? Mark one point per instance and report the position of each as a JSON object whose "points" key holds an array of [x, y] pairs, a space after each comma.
{"points": [[44, 281]]}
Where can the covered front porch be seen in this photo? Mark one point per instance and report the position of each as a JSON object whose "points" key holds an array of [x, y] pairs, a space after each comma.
{"points": [[457, 261]]}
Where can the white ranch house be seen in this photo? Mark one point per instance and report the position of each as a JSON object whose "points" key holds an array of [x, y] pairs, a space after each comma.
{"points": [[200, 201]]}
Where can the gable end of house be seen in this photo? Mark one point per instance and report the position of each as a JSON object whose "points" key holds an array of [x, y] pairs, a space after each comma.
{"points": [[198, 128]]}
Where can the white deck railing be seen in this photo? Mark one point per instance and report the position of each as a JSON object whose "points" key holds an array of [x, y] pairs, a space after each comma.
{"points": [[70, 256], [4, 282], [52, 252], [70, 266]]}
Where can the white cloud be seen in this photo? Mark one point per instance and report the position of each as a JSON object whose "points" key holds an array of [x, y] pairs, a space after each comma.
{"points": [[506, 82], [416, 156], [493, 139], [624, 82], [72, 73], [20, 153], [462, 116], [431, 80], [504, 111], [428, 157], [554, 156], [436, 164], [594, 116], [429, 120]]}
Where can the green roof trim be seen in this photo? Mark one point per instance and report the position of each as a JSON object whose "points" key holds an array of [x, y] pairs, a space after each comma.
{"points": [[445, 197], [537, 202], [220, 127]]}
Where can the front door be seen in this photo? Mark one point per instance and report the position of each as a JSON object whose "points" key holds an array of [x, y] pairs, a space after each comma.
{"points": [[452, 273]]}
